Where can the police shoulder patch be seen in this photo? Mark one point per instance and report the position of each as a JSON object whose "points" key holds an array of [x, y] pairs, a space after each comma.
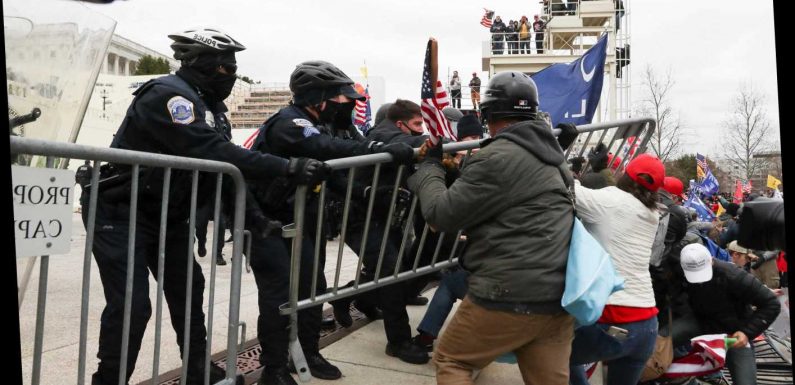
{"points": [[303, 123], [308, 128], [181, 110], [310, 131]]}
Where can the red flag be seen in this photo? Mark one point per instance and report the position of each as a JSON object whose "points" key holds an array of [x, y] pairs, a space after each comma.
{"points": [[738, 192], [434, 98]]}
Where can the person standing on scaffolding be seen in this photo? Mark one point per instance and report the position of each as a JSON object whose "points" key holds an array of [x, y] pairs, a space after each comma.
{"points": [[538, 27], [455, 90], [182, 115]]}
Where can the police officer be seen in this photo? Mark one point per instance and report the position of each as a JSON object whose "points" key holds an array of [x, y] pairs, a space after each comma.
{"points": [[317, 124], [183, 115]]}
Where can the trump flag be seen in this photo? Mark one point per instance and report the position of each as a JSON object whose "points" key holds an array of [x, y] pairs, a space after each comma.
{"points": [[570, 92]]}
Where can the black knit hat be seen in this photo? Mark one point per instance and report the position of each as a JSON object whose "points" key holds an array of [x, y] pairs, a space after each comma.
{"points": [[468, 125]]}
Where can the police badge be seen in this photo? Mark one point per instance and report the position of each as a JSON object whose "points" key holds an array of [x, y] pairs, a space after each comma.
{"points": [[181, 110]]}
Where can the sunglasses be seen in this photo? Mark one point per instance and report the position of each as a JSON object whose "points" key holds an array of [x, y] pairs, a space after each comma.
{"points": [[230, 68]]}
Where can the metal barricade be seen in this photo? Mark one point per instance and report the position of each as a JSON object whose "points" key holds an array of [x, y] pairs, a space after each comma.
{"points": [[641, 129], [168, 163]]}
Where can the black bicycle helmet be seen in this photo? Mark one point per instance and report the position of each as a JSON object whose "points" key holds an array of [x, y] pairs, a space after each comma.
{"points": [[509, 94], [191, 43], [314, 81]]}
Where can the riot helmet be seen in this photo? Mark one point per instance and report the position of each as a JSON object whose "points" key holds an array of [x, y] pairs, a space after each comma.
{"points": [[315, 81]]}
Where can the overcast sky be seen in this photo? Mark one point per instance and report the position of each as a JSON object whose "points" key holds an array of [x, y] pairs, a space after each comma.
{"points": [[711, 47]]}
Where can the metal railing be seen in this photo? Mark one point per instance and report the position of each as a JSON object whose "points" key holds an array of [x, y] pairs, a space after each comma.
{"points": [[641, 129], [168, 163]]}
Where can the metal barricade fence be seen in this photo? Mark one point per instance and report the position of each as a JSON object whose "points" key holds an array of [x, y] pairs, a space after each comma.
{"points": [[623, 130], [136, 160]]}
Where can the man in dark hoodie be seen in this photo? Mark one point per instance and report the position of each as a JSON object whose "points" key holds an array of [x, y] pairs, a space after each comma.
{"points": [[512, 202]]}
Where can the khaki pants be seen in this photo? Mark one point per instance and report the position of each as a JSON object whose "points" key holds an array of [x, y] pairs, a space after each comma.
{"points": [[475, 99], [476, 336]]}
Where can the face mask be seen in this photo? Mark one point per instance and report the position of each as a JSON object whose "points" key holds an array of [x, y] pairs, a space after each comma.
{"points": [[338, 115], [221, 85]]}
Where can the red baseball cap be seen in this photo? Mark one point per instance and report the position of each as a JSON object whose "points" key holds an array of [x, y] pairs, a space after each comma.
{"points": [[674, 186], [617, 163], [649, 165]]}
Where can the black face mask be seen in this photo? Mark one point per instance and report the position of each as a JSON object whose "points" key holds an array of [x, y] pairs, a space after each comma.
{"points": [[337, 115], [221, 85]]}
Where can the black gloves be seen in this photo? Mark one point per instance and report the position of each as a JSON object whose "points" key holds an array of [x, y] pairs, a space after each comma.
{"points": [[308, 171], [568, 132], [258, 223], [401, 152], [598, 157], [576, 164], [434, 153]]}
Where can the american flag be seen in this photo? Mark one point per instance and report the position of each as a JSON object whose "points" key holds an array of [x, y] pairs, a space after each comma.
{"points": [[747, 187], [434, 99], [250, 140], [708, 355], [701, 166], [486, 20], [362, 113]]}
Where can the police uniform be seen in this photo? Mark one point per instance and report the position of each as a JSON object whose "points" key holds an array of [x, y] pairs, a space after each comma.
{"points": [[167, 116], [291, 132]]}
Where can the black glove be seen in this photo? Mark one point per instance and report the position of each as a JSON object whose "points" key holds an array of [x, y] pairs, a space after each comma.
{"points": [[259, 224], [568, 133], [308, 171], [576, 164], [598, 157], [433, 153], [401, 152]]}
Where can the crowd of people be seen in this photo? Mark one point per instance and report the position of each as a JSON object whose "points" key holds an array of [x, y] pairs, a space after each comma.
{"points": [[514, 200], [516, 36]]}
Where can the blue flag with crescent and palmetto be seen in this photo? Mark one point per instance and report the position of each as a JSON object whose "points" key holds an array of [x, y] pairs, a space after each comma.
{"points": [[569, 92]]}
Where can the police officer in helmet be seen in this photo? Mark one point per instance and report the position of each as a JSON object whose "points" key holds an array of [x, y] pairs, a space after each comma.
{"points": [[317, 124], [182, 115]]}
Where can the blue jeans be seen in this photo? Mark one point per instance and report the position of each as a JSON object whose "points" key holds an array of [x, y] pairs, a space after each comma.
{"points": [[740, 361], [626, 359], [452, 287]]}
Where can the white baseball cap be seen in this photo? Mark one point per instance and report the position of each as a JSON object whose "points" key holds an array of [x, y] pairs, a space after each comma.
{"points": [[697, 263]]}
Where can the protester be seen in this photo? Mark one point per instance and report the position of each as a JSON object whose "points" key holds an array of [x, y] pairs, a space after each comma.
{"points": [[517, 229], [725, 299], [624, 219]]}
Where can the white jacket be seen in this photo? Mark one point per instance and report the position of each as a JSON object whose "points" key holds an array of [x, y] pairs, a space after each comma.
{"points": [[626, 229]]}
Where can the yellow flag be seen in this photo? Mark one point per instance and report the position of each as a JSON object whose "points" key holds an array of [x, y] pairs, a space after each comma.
{"points": [[721, 210], [363, 70], [772, 182]]}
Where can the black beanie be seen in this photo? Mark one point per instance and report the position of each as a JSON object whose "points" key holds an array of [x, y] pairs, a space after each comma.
{"points": [[469, 125]]}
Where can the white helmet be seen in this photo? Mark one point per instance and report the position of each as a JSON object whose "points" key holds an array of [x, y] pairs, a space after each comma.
{"points": [[190, 43]]}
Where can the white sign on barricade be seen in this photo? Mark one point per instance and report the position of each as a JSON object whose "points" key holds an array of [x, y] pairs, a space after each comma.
{"points": [[42, 210]]}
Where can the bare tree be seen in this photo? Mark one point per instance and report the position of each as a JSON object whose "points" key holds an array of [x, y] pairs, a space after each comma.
{"points": [[666, 141], [747, 128]]}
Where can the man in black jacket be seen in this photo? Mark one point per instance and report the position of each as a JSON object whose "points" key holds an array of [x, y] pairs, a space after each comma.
{"points": [[402, 126], [725, 299]]}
